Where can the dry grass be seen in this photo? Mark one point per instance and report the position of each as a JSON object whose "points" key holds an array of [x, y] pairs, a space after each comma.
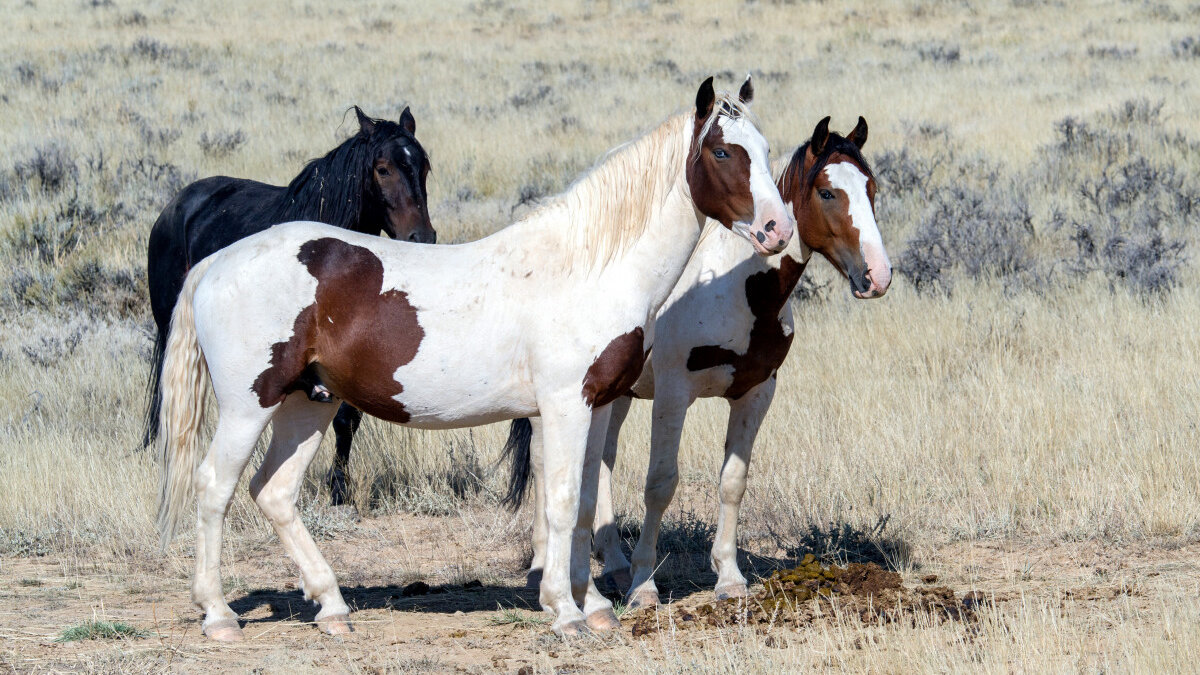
{"points": [[1054, 405]]}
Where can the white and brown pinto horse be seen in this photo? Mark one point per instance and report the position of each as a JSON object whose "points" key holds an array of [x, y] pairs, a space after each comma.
{"points": [[723, 332], [548, 317]]}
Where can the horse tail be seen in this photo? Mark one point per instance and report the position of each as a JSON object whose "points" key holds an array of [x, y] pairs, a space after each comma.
{"points": [[516, 450], [182, 390], [153, 391]]}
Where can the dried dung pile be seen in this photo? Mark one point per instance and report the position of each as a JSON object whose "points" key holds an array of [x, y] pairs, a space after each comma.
{"points": [[810, 592]]}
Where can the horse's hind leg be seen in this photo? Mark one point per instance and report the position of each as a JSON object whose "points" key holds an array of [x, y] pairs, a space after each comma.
{"points": [[296, 434], [216, 479], [344, 427], [607, 542], [745, 417], [533, 578]]}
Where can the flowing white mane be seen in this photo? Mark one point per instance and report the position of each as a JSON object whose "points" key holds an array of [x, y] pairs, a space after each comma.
{"points": [[610, 206]]}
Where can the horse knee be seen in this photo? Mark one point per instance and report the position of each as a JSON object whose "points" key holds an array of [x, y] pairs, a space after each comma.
{"points": [[661, 489], [732, 491], [276, 506]]}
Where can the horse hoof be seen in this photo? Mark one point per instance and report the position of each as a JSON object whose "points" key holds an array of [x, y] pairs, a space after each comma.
{"points": [[619, 581], [643, 599], [603, 620], [572, 628], [224, 630], [533, 579], [337, 624], [732, 591]]}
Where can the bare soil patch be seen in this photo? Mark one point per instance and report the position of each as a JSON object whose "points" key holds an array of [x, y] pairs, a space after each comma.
{"points": [[428, 597]]}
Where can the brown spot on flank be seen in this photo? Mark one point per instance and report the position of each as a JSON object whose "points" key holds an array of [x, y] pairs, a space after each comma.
{"points": [[766, 292], [354, 335], [615, 370]]}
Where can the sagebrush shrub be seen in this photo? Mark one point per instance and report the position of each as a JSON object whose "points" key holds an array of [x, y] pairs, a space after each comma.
{"points": [[51, 166]]}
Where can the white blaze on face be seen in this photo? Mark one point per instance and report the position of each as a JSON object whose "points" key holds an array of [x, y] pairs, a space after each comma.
{"points": [[848, 178], [768, 205]]}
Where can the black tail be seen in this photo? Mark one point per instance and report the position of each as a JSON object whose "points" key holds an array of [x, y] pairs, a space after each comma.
{"points": [[516, 450], [153, 391]]}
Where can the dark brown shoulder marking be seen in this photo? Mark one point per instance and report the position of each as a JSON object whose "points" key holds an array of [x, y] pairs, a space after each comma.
{"points": [[354, 335], [766, 292], [615, 370]]}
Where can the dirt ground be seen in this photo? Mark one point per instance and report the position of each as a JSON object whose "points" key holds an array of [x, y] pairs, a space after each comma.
{"points": [[475, 614]]}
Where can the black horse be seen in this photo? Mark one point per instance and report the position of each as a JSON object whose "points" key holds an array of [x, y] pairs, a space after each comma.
{"points": [[373, 182]]}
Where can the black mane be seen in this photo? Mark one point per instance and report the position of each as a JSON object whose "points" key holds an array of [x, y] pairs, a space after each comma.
{"points": [[834, 144], [330, 189]]}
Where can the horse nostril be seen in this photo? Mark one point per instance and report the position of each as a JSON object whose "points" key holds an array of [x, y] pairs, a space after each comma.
{"points": [[770, 226], [760, 237]]}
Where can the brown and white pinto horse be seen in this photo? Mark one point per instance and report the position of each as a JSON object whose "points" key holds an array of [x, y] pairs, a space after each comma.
{"points": [[724, 331], [547, 317]]}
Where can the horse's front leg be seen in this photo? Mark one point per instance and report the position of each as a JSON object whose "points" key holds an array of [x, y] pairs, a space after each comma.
{"points": [[607, 542], [566, 420], [670, 411], [745, 417], [596, 607]]}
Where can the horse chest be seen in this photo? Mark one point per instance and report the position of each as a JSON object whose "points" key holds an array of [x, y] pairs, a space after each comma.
{"points": [[768, 337]]}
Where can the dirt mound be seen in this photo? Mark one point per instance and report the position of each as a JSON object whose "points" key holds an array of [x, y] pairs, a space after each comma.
{"points": [[811, 592]]}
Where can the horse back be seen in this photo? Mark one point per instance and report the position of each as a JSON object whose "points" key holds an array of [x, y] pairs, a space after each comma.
{"points": [[205, 217]]}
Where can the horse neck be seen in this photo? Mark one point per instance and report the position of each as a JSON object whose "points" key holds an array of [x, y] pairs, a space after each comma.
{"points": [[785, 172], [329, 190], [639, 224]]}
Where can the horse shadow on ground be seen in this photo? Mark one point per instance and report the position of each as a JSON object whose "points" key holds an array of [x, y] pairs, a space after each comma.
{"points": [[684, 546], [473, 596], [683, 570]]}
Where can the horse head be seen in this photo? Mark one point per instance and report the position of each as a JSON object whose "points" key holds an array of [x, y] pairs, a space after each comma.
{"points": [[729, 174], [831, 191], [399, 167]]}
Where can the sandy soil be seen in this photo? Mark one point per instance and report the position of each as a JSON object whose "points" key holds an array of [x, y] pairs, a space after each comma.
{"points": [[459, 625]]}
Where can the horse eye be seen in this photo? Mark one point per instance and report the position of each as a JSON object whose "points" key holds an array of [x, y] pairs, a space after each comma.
{"points": [[381, 170], [720, 153], [825, 194]]}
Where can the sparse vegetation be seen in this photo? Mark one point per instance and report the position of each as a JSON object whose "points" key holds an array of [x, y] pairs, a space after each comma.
{"points": [[100, 630], [518, 619]]}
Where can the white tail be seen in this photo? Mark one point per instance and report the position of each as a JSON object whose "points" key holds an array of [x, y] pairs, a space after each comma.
{"points": [[183, 380]]}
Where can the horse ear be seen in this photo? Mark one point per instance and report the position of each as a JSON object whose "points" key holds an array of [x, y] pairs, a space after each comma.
{"points": [[820, 135], [746, 93], [704, 100], [859, 135], [407, 121], [365, 124]]}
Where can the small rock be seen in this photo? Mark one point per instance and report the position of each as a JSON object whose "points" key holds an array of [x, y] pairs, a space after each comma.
{"points": [[929, 579]]}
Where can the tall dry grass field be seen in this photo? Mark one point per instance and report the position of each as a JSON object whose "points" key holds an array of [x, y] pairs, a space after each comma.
{"points": [[1018, 414]]}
